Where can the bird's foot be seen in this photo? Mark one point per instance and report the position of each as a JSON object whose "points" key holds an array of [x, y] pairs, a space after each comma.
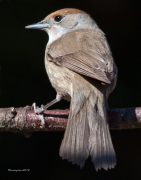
{"points": [[38, 110]]}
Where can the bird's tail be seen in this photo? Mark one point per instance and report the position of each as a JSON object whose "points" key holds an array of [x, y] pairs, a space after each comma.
{"points": [[87, 132]]}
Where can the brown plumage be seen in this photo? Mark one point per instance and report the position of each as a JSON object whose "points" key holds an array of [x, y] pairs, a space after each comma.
{"points": [[80, 67], [63, 12]]}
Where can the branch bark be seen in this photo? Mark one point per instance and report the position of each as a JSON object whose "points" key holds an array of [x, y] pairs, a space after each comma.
{"points": [[25, 120]]}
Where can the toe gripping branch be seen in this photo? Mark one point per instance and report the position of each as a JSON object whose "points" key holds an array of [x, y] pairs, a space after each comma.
{"points": [[40, 110]]}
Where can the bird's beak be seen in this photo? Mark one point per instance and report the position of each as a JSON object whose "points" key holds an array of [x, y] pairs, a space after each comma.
{"points": [[39, 25]]}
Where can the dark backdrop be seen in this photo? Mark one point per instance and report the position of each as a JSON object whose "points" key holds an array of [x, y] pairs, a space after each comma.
{"points": [[23, 81]]}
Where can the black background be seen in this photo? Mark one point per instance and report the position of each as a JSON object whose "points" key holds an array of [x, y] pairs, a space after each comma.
{"points": [[23, 80]]}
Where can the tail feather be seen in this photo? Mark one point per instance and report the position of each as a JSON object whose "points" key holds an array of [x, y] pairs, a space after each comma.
{"points": [[74, 146], [100, 143], [87, 131]]}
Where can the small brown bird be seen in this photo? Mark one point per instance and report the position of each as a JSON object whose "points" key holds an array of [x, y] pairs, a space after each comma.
{"points": [[81, 68]]}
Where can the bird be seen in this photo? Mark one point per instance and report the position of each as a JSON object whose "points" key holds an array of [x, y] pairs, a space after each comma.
{"points": [[81, 68]]}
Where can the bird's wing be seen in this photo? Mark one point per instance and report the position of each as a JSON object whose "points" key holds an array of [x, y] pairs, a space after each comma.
{"points": [[85, 52]]}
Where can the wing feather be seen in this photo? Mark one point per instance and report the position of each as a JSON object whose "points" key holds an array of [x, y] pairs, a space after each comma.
{"points": [[84, 53]]}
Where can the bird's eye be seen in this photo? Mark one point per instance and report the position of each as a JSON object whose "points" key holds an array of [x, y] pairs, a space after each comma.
{"points": [[58, 18]]}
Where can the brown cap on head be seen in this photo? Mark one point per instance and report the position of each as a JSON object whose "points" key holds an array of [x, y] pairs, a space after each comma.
{"points": [[65, 11]]}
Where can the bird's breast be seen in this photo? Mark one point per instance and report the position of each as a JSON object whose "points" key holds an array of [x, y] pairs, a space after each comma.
{"points": [[60, 77]]}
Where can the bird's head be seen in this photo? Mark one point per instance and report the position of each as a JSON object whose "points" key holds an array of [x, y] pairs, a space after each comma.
{"points": [[63, 21]]}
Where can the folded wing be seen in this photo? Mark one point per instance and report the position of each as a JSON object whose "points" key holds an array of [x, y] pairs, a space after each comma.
{"points": [[80, 52]]}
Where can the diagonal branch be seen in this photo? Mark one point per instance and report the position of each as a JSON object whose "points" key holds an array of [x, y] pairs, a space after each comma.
{"points": [[24, 119]]}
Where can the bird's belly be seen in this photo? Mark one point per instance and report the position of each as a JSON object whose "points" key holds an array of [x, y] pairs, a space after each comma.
{"points": [[59, 77]]}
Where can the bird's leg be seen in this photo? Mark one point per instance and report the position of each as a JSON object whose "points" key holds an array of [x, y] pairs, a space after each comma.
{"points": [[42, 108]]}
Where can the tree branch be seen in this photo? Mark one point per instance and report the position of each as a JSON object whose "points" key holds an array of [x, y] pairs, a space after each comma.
{"points": [[25, 120]]}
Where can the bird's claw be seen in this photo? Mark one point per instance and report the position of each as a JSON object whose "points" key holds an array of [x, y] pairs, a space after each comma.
{"points": [[37, 110]]}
